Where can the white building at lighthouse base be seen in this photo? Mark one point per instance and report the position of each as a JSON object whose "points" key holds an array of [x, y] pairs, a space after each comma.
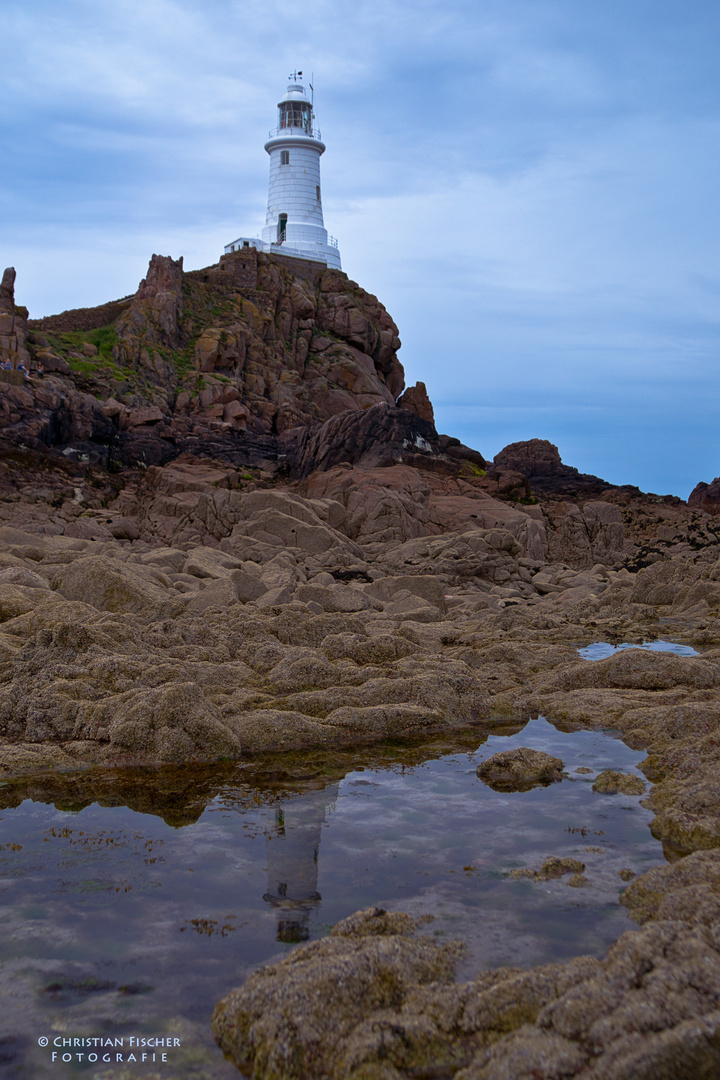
{"points": [[316, 250]]}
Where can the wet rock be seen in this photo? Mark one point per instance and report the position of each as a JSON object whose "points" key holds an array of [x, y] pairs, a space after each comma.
{"points": [[610, 782], [172, 724], [554, 867], [648, 1009], [640, 669], [688, 890], [278, 1023], [520, 769]]}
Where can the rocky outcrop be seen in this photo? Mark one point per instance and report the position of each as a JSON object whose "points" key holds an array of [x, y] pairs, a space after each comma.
{"points": [[380, 435], [706, 497], [381, 1003], [13, 324], [40, 414], [152, 322], [416, 400], [212, 360], [538, 462], [370, 962], [535, 457]]}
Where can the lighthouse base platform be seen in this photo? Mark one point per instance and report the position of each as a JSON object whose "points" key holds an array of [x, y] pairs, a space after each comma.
{"points": [[319, 253]]}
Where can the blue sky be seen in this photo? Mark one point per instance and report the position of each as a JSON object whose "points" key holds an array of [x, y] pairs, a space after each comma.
{"points": [[529, 186]]}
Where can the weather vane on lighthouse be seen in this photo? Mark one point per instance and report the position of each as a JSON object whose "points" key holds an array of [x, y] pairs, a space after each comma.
{"points": [[294, 220]]}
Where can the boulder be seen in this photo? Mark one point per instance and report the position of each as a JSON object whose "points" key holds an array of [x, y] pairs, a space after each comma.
{"points": [[534, 457], [641, 669], [111, 585], [369, 963], [375, 1006], [172, 724], [611, 782], [520, 769]]}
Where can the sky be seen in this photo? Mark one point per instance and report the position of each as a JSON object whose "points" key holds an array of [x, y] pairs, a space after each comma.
{"points": [[529, 186]]}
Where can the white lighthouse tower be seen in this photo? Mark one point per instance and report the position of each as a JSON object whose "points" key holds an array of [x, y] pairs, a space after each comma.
{"points": [[294, 221]]}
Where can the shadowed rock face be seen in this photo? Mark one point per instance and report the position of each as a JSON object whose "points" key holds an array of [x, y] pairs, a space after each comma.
{"points": [[706, 497], [380, 435]]}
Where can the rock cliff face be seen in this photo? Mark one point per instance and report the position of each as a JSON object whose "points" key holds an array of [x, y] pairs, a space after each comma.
{"points": [[261, 352], [241, 360]]}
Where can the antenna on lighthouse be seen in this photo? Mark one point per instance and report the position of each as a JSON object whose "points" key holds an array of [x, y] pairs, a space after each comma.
{"points": [[312, 91]]}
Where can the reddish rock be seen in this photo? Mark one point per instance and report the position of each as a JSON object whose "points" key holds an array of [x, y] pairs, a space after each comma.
{"points": [[416, 400], [13, 324], [706, 497], [381, 435], [534, 457], [148, 415], [151, 324]]}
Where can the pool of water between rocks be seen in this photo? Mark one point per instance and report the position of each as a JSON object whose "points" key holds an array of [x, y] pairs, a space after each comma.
{"points": [[133, 918]]}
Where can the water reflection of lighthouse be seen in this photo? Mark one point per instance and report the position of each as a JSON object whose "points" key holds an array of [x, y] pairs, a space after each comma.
{"points": [[293, 846]]}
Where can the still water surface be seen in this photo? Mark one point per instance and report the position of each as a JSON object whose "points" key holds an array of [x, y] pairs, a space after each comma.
{"points": [[134, 917]]}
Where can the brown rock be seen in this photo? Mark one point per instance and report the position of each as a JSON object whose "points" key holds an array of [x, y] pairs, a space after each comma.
{"points": [[111, 585], [554, 867], [13, 324], [520, 769], [379, 435], [706, 497], [647, 1011], [535, 457], [610, 782], [369, 963], [416, 400], [688, 890]]}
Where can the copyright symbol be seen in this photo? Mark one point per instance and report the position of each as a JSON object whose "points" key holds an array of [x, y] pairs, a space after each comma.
{"points": [[43, 1040]]}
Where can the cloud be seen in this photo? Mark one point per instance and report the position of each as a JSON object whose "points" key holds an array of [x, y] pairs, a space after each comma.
{"points": [[529, 188]]}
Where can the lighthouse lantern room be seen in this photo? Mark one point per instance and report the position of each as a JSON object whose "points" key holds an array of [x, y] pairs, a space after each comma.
{"points": [[294, 220]]}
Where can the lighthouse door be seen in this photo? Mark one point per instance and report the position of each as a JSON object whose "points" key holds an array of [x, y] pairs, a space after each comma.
{"points": [[282, 223]]}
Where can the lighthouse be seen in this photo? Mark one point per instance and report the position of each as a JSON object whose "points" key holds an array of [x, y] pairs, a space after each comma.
{"points": [[294, 223]]}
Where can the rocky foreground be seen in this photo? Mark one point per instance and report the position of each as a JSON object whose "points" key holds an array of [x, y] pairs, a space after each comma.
{"points": [[225, 530]]}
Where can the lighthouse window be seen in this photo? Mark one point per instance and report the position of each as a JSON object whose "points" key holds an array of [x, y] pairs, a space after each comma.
{"points": [[284, 157], [295, 114], [317, 192]]}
